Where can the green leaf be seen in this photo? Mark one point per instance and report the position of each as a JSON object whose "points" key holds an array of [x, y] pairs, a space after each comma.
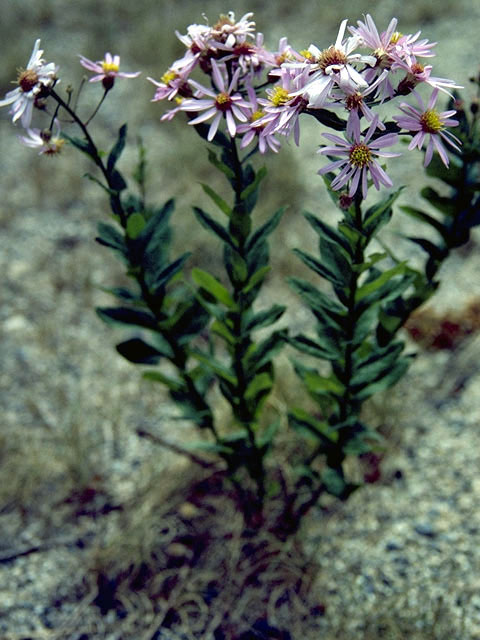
{"points": [[139, 352], [172, 383], [259, 386], [265, 230], [135, 225], [379, 214], [210, 284], [253, 186], [221, 166], [376, 365], [386, 381], [82, 144], [117, 148], [318, 267], [265, 318], [329, 233], [263, 352], [319, 302], [216, 367], [109, 236], [209, 223], [220, 202], [312, 348], [256, 279], [374, 285], [160, 280], [222, 330], [124, 315], [301, 420], [427, 218], [334, 482]]}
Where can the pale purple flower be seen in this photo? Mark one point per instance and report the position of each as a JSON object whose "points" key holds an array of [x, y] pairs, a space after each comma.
{"points": [[231, 32], [417, 73], [265, 141], [223, 102], [357, 159], [285, 103], [47, 142], [428, 122], [333, 66], [33, 83], [172, 83], [106, 70]]}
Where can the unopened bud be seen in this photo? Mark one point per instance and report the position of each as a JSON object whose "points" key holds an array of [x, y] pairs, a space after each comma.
{"points": [[474, 106]]}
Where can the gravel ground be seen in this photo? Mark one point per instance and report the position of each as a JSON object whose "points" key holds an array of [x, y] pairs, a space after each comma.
{"points": [[81, 495]]}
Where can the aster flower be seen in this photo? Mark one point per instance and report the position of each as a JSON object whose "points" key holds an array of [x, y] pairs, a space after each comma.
{"points": [[173, 82], [417, 73], [285, 103], [48, 142], [230, 32], [224, 102], [428, 122], [333, 66], [357, 159], [266, 141], [33, 83], [107, 70]]}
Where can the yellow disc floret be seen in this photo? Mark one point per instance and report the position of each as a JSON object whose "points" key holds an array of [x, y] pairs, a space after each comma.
{"points": [[331, 56], [168, 76], [110, 67], [431, 121], [223, 102], [360, 155], [279, 96]]}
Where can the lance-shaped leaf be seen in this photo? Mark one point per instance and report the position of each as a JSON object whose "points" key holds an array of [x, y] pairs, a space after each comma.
{"points": [[375, 365], [373, 286], [212, 225], [212, 286], [379, 214], [157, 281], [254, 184], [324, 351], [128, 316], [109, 236], [221, 166], [316, 265], [262, 233], [387, 380], [256, 279], [135, 225], [215, 366], [327, 232], [138, 351], [428, 219], [262, 353], [171, 383], [259, 387], [319, 302], [265, 318], [335, 260], [117, 149], [82, 144], [304, 422], [218, 200]]}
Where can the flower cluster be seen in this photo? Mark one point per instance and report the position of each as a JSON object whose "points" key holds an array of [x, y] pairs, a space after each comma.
{"points": [[361, 70], [36, 83], [258, 95]]}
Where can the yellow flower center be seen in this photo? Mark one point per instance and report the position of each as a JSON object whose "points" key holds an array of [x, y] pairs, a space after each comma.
{"points": [[308, 55], [279, 96], [27, 79], [256, 115], [168, 76], [331, 56], [360, 155], [383, 59], [54, 147], [223, 102], [431, 122], [396, 35], [110, 67]]}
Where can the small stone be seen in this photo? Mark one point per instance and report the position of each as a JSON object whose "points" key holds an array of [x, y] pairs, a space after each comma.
{"points": [[425, 529]]}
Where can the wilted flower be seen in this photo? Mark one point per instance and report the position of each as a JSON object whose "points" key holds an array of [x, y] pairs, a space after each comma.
{"points": [[429, 122], [49, 143], [107, 70], [358, 159], [33, 83]]}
